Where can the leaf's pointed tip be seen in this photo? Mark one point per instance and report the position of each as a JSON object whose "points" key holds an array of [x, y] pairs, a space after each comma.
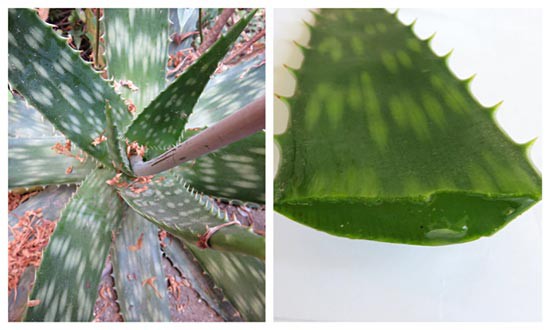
{"points": [[301, 47], [315, 14], [448, 55], [493, 109], [430, 38], [469, 80], [308, 24], [284, 99], [292, 70], [528, 145], [413, 23]]}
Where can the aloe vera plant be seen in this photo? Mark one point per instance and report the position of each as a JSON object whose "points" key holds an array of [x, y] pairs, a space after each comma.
{"points": [[385, 143], [114, 211]]}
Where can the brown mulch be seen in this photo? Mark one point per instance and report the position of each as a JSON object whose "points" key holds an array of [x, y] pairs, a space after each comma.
{"points": [[31, 234]]}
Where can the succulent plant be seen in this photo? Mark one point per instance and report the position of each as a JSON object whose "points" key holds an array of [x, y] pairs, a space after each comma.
{"points": [[385, 143], [94, 125]]}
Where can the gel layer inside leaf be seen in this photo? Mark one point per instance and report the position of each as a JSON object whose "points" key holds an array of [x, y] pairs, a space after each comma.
{"points": [[385, 143]]}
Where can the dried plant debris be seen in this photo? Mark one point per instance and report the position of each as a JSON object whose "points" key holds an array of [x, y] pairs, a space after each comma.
{"points": [[30, 235]]}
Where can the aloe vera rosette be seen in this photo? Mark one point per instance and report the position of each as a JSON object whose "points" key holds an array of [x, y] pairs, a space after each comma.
{"points": [[64, 98]]}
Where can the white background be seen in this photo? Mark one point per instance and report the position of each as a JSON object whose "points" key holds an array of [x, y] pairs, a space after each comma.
{"points": [[321, 277]]}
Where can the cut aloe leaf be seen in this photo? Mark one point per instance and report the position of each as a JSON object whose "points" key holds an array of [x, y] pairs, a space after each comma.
{"points": [[137, 268], [385, 143], [67, 280]]}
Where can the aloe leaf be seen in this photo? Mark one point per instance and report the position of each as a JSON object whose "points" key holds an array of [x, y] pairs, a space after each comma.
{"points": [[54, 80], [98, 47], [385, 143], [156, 127], [51, 201], [25, 122], [115, 144], [189, 267], [242, 279], [236, 171], [30, 139], [136, 259], [32, 162], [228, 92], [67, 280], [173, 205], [136, 50], [184, 20]]}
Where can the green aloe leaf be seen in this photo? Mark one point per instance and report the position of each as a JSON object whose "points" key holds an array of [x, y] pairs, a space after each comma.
{"points": [[25, 122], [228, 92], [31, 160], [68, 277], [242, 279], [116, 146], [236, 171], [51, 201], [173, 205], [54, 80], [136, 259], [136, 50], [189, 267], [155, 126], [385, 143]]}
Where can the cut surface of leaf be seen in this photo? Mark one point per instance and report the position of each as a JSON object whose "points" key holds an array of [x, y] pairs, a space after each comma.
{"points": [[161, 123], [137, 269], [136, 51], [173, 205], [54, 80], [241, 278], [67, 280], [385, 143], [186, 263]]}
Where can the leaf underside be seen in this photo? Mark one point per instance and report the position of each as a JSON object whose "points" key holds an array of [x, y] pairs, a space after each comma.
{"points": [[162, 122], [385, 143], [189, 267], [241, 277], [54, 80], [68, 278], [136, 257], [173, 205]]}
